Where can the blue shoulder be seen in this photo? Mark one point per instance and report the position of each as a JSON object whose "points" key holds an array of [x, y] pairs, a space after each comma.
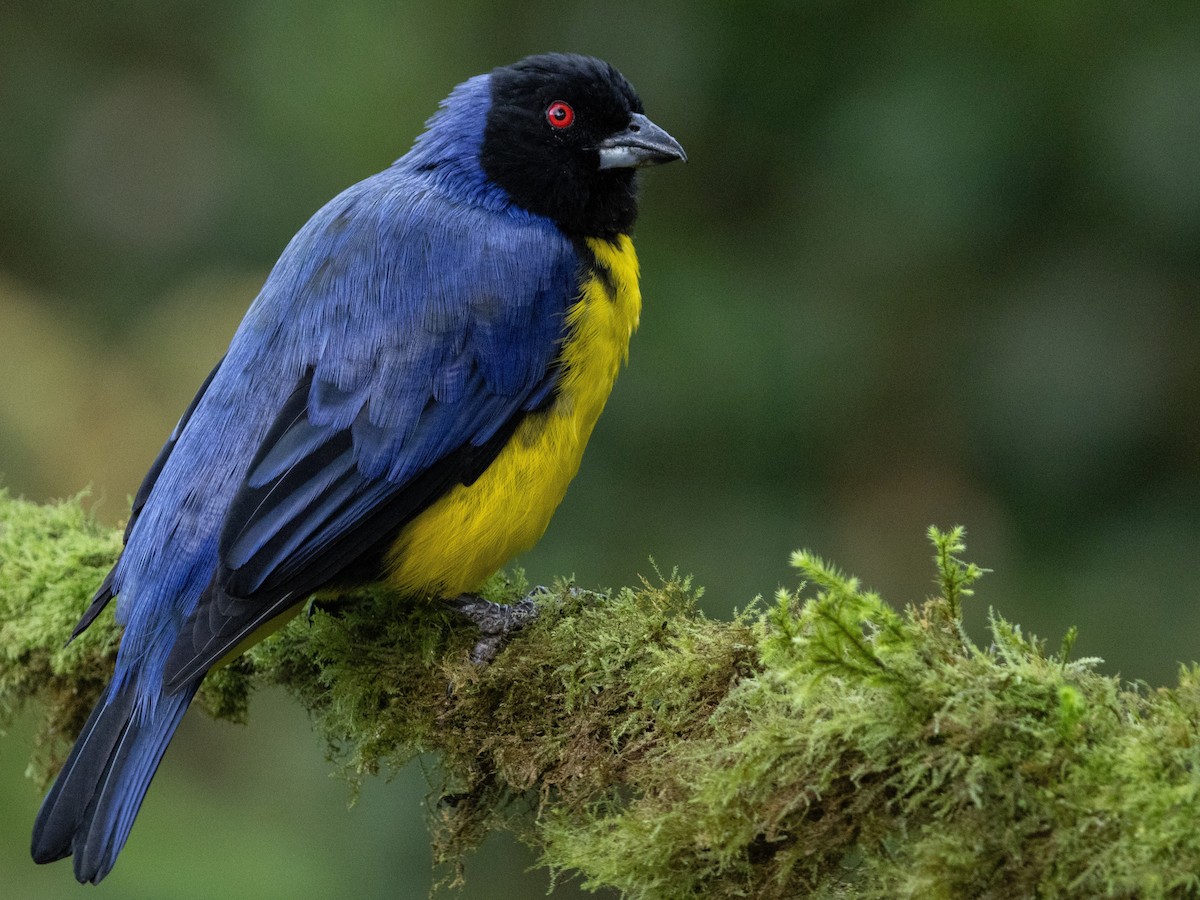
{"points": [[398, 295]]}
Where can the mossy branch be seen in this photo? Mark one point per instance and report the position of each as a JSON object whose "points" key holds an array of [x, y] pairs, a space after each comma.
{"points": [[825, 746]]}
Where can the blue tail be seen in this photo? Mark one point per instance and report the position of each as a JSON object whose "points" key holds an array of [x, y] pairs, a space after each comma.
{"points": [[96, 797]]}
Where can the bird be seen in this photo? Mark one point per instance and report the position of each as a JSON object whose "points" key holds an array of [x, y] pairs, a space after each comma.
{"points": [[405, 402]]}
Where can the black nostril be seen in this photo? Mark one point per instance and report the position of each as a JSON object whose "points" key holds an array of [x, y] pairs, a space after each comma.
{"points": [[635, 127]]}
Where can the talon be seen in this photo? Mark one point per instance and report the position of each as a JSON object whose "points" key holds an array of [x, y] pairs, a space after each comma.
{"points": [[496, 622]]}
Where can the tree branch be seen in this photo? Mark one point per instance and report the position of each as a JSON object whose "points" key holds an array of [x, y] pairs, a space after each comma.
{"points": [[825, 746]]}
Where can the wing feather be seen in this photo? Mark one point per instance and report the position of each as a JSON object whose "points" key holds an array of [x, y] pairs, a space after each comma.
{"points": [[427, 363]]}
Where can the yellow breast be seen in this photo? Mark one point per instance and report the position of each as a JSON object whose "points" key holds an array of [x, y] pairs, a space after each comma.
{"points": [[454, 545]]}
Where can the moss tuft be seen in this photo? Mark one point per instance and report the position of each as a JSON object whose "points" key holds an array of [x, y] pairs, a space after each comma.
{"points": [[52, 559]]}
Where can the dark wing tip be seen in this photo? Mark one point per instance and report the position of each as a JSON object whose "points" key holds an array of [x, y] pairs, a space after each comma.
{"points": [[216, 628], [103, 594]]}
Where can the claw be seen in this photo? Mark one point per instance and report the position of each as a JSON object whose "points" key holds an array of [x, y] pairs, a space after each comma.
{"points": [[496, 622]]}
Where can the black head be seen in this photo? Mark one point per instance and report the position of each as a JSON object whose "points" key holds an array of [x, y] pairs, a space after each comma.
{"points": [[564, 137]]}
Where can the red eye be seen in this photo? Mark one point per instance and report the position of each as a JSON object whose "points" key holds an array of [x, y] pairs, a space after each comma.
{"points": [[559, 114]]}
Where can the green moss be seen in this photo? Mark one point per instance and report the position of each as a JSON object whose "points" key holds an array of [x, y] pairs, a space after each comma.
{"points": [[52, 559], [827, 745]]}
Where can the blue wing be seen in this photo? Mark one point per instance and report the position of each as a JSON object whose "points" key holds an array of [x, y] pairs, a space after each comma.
{"points": [[427, 330]]}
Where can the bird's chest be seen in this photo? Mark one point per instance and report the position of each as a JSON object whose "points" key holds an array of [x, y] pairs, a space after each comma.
{"points": [[474, 529]]}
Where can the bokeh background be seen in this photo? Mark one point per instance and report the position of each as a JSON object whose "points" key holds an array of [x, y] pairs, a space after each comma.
{"points": [[929, 263]]}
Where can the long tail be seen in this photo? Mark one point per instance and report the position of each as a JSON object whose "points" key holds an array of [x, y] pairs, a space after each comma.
{"points": [[96, 797]]}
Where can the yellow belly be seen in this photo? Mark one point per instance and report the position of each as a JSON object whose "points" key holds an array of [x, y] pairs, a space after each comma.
{"points": [[473, 530]]}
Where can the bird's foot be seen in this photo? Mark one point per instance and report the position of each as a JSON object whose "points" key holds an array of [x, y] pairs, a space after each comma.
{"points": [[497, 622]]}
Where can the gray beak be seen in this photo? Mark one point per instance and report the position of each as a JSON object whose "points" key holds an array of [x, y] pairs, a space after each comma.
{"points": [[641, 144]]}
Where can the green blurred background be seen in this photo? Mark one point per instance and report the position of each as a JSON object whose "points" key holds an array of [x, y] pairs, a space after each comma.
{"points": [[928, 263]]}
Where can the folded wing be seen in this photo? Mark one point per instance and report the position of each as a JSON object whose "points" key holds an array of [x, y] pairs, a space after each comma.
{"points": [[435, 342]]}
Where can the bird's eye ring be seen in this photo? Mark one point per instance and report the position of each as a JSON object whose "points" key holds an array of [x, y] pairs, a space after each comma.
{"points": [[559, 114]]}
